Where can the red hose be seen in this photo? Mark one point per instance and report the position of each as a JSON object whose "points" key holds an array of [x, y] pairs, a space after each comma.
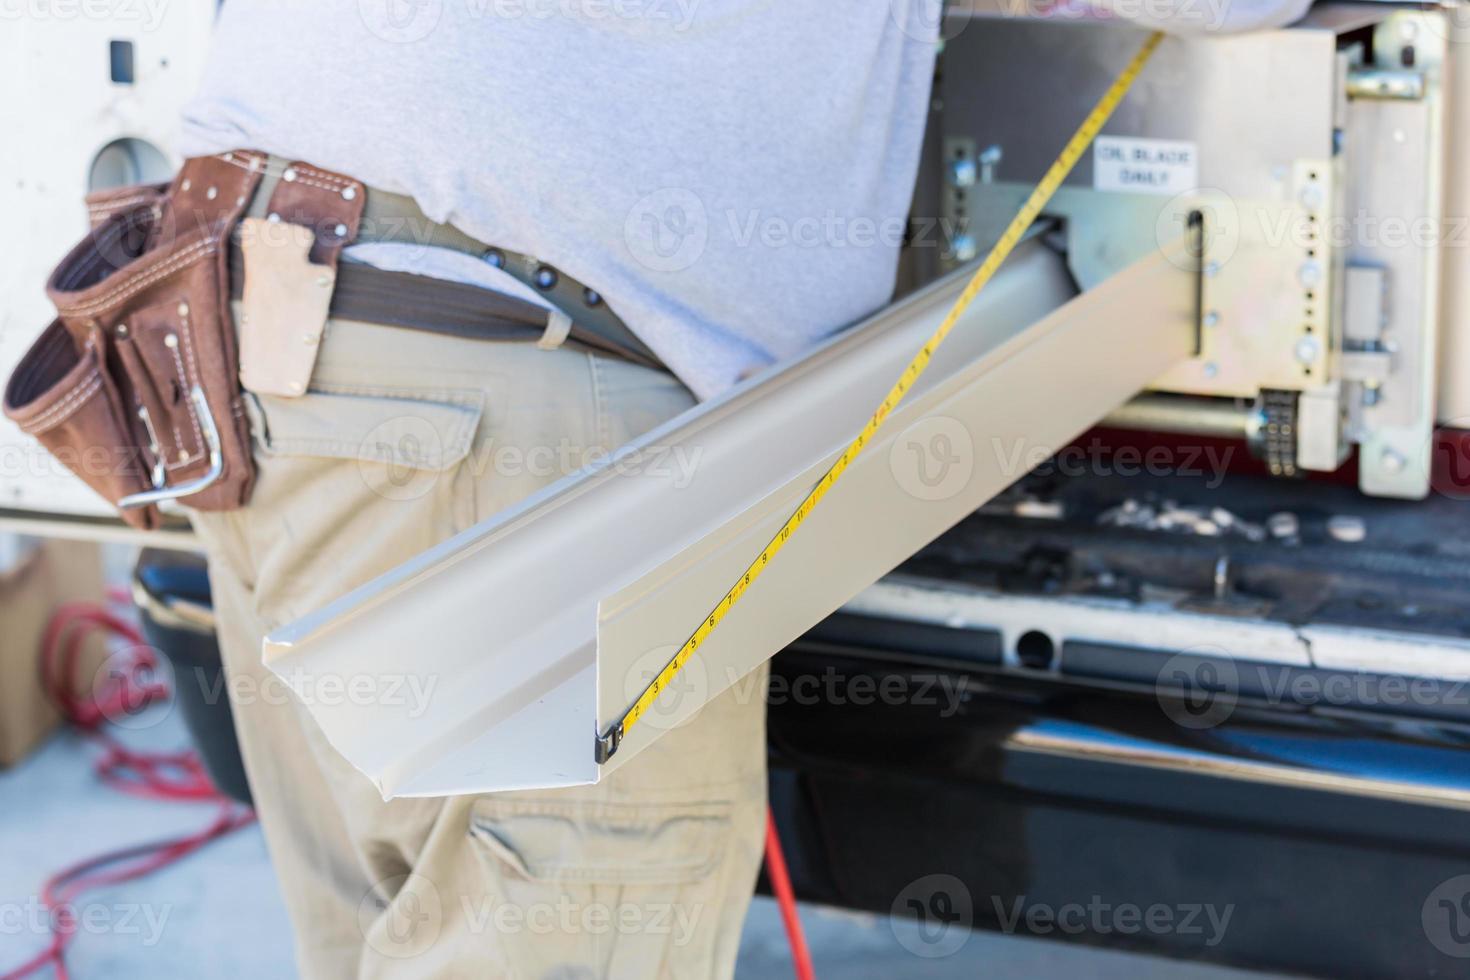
{"points": [[801, 956], [129, 686]]}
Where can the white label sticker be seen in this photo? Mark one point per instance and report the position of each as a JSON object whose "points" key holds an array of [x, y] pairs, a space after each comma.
{"points": [[1144, 166]]}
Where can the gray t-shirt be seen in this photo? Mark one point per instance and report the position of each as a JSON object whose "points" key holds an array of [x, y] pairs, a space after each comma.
{"points": [[732, 175]]}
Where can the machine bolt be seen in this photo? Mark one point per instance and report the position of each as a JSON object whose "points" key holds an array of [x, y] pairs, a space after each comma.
{"points": [[990, 158], [1347, 528], [1283, 524], [962, 172]]}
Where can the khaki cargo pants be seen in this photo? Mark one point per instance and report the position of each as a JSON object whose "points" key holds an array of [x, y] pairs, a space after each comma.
{"points": [[403, 439]]}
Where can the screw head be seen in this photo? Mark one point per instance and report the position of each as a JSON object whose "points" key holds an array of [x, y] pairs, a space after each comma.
{"points": [[1348, 528], [962, 172], [1283, 524]]}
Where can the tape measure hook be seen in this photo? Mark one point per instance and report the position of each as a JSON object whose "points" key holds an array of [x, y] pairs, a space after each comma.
{"points": [[608, 742]]}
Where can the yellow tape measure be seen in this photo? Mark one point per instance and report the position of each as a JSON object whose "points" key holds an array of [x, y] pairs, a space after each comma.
{"points": [[608, 742]]}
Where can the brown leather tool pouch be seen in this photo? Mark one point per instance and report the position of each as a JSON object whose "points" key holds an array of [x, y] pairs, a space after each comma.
{"points": [[135, 386]]}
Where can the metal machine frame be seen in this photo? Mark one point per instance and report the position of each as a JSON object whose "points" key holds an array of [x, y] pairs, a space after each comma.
{"points": [[1315, 153]]}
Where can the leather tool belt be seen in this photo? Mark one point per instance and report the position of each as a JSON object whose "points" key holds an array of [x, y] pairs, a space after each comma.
{"points": [[136, 385]]}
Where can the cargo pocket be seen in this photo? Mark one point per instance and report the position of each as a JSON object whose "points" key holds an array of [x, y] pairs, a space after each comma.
{"points": [[351, 482], [64, 397], [601, 889]]}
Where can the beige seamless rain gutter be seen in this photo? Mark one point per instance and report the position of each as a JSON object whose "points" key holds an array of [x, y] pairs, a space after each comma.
{"points": [[535, 627]]}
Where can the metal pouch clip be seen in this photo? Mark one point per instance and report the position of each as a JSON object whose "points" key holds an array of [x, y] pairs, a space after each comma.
{"points": [[161, 491]]}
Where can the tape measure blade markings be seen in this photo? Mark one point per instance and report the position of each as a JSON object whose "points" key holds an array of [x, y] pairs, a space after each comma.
{"points": [[608, 742]]}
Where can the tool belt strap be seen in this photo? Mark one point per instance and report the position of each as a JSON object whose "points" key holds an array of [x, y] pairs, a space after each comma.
{"points": [[439, 306]]}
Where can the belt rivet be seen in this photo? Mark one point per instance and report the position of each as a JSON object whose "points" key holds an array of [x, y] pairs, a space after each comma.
{"points": [[122, 329], [495, 257], [273, 217], [341, 231], [186, 185], [183, 309], [289, 175], [590, 297], [171, 341], [183, 455], [349, 193], [545, 277], [212, 193]]}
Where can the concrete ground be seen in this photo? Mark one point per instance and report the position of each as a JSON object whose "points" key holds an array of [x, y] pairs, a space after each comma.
{"points": [[217, 914]]}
